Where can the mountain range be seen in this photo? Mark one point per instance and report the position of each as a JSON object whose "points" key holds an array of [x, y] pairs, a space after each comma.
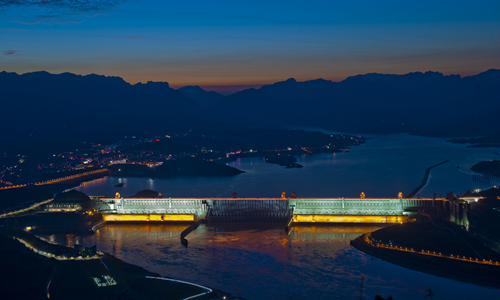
{"points": [[202, 97], [419, 103], [40, 108]]}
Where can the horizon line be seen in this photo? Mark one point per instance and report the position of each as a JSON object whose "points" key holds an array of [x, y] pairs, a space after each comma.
{"points": [[230, 89]]}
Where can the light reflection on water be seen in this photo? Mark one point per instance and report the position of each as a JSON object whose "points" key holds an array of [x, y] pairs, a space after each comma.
{"points": [[312, 262]]}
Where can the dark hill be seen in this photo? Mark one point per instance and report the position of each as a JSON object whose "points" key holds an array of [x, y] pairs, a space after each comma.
{"points": [[204, 98], [40, 106], [72, 196]]}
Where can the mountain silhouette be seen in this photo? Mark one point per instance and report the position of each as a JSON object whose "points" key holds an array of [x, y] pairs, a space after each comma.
{"points": [[202, 97], [39, 107], [374, 103], [43, 111]]}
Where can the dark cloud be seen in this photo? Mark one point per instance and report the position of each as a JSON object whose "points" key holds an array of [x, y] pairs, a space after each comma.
{"points": [[54, 11], [11, 52]]}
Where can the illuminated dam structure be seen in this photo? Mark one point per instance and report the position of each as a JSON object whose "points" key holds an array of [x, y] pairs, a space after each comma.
{"points": [[265, 210]]}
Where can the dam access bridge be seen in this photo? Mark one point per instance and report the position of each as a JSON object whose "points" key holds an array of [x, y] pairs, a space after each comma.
{"points": [[262, 210]]}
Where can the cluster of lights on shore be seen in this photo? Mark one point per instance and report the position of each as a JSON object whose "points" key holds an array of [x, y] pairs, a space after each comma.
{"points": [[47, 254], [55, 180]]}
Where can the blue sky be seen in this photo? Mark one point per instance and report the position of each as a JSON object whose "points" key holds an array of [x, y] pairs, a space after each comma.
{"points": [[234, 44]]}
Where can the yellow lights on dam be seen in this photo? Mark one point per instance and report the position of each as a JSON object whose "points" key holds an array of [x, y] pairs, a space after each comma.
{"points": [[146, 217], [348, 219]]}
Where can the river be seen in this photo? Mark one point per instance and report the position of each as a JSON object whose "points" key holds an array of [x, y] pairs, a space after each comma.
{"points": [[383, 167], [314, 262]]}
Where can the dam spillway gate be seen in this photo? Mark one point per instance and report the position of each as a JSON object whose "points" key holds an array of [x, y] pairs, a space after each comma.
{"points": [[260, 211]]}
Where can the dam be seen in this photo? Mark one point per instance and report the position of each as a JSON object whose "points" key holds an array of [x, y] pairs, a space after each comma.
{"points": [[262, 210]]}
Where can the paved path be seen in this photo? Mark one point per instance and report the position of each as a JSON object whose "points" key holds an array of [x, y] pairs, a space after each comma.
{"points": [[50, 281]]}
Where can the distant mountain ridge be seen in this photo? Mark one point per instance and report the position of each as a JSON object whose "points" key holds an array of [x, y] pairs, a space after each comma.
{"points": [[40, 109], [427, 103], [202, 97]]}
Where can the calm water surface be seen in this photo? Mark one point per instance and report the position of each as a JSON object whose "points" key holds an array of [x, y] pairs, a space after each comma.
{"points": [[384, 166], [314, 262], [311, 262]]}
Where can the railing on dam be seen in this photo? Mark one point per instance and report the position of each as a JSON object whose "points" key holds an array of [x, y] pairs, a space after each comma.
{"points": [[266, 208], [353, 206]]}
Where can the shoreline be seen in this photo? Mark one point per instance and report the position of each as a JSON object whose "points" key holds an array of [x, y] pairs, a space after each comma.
{"points": [[139, 282], [441, 267]]}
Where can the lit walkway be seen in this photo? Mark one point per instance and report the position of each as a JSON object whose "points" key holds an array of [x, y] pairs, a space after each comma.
{"points": [[50, 255], [369, 241]]}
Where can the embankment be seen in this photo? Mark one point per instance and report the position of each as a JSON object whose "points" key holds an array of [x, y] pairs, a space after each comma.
{"points": [[487, 275], [424, 181]]}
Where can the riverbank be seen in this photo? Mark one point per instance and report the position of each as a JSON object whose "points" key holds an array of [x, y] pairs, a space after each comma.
{"points": [[424, 255], [488, 168], [18, 198], [29, 274]]}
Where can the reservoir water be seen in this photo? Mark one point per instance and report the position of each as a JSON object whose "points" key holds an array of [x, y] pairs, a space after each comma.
{"points": [[314, 262], [383, 167]]}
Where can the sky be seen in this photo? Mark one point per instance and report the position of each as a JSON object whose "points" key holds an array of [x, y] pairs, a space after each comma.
{"points": [[232, 45]]}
